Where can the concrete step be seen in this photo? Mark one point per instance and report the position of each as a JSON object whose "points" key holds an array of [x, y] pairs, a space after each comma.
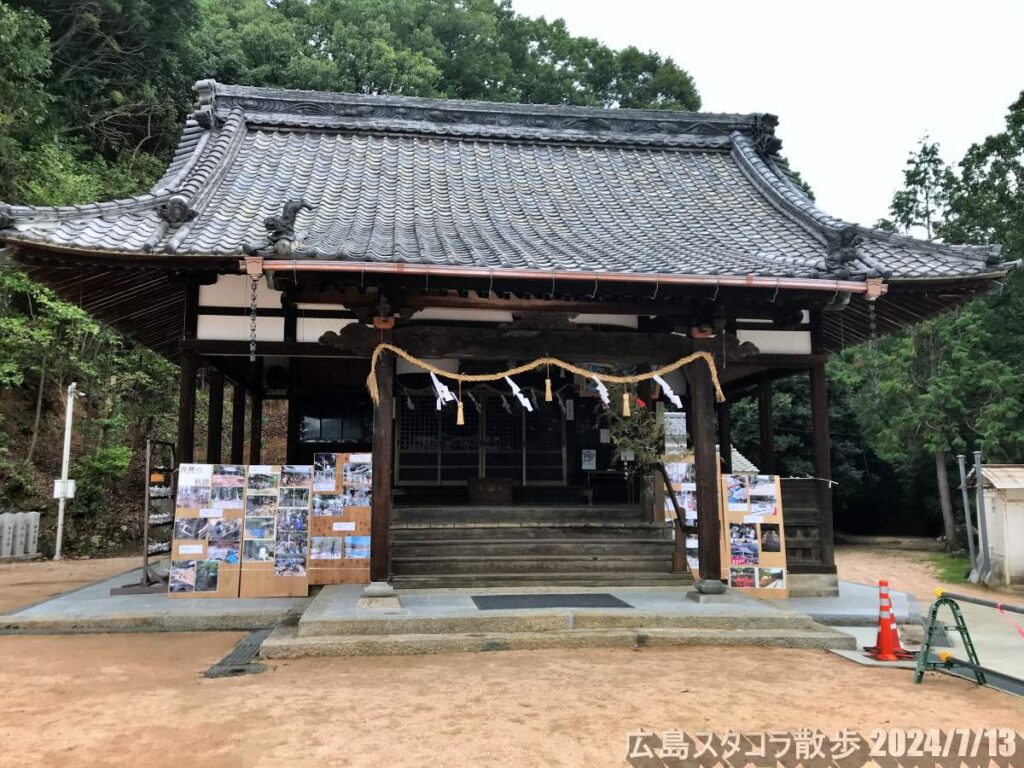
{"points": [[409, 532], [528, 563], [520, 513], [286, 643], [577, 579], [528, 547], [547, 620]]}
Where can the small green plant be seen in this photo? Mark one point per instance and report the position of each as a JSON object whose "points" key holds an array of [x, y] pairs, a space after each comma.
{"points": [[641, 433]]}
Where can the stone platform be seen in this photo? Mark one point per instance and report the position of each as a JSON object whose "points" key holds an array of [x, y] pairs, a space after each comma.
{"points": [[94, 609], [449, 621]]}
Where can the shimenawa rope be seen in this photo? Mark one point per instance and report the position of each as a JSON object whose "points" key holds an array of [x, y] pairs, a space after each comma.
{"points": [[607, 378]]}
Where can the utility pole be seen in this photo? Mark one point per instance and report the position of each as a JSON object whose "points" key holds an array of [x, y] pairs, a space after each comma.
{"points": [[63, 489]]}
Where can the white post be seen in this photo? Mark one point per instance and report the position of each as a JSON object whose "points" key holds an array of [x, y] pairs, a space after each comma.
{"points": [[68, 410]]}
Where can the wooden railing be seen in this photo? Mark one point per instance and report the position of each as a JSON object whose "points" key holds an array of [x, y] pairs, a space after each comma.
{"points": [[682, 529]]}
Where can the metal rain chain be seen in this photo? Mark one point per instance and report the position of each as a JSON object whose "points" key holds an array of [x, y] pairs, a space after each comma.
{"points": [[253, 283]]}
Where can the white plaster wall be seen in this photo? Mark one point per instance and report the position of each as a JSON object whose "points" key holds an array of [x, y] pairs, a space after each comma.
{"points": [[233, 291], [312, 328], [237, 328], [778, 342], [468, 315]]}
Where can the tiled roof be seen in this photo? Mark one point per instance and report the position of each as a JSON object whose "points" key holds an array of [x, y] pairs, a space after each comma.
{"points": [[492, 186]]}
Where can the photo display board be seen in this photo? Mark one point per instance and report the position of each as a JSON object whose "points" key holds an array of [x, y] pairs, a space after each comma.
{"points": [[206, 543], [339, 524], [754, 536], [683, 477], [275, 534]]}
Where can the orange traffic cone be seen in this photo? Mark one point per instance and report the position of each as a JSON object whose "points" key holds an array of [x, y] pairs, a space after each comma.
{"points": [[887, 644]]}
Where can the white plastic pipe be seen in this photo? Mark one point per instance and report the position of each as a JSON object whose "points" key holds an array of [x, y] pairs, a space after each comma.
{"points": [[62, 499]]}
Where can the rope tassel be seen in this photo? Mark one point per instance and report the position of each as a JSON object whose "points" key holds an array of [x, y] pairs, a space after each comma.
{"points": [[460, 416], [547, 390], [625, 405]]}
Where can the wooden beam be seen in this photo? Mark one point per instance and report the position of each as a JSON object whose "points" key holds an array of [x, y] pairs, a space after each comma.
{"points": [[766, 425], [237, 424], [215, 419], [821, 446], [187, 409], [383, 461], [709, 529]]}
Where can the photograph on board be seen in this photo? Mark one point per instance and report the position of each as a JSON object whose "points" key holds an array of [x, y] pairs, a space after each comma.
{"points": [[259, 527], [325, 473], [289, 566], [228, 476], [207, 572], [226, 497], [771, 539], [357, 547], [193, 497], [182, 577], [291, 544], [326, 548], [356, 497], [292, 520], [263, 478], [763, 506], [358, 473], [293, 497], [742, 578], [193, 528], [742, 533], [771, 578], [736, 492], [258, 551], [329, 504], [225, 530], [743, 554], [223, 551], [260, 504], [296, 475]]}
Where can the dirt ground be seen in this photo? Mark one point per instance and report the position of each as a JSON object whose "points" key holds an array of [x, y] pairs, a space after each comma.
{"points": [[907, 571], [29, 582], [140, 699]]}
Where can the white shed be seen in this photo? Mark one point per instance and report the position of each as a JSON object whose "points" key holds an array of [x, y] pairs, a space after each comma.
{"points": [[1004, 515]]}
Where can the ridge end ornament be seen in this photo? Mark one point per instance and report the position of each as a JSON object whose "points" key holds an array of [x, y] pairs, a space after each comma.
{"points": [[281, 237]]}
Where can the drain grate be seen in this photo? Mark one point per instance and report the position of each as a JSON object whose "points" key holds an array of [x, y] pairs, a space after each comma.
{"points": [[240, 660], [548, 600]]}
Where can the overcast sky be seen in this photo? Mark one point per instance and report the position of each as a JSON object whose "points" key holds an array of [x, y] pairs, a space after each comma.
{"points": [[855, 84]]}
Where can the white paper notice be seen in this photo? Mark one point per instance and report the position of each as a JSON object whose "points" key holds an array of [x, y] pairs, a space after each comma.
{"points": [[605, 436], [589, 458], [207, 512], [343, 527], [190, 549]]}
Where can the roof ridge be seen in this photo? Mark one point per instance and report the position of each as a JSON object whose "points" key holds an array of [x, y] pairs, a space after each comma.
{"points": [[328, 109]]}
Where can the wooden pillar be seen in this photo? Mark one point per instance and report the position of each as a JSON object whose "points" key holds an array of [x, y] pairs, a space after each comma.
{"points": [[709, 529], [255, 428], [821, 445], [237, 424], [766, 424], [187, 409], [383, 446], [215, 420], [725, 436]]}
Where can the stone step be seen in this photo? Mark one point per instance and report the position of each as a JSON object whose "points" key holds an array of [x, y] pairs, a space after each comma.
{"points": [[659, 578], [513, 514], [546, 620], [286, 643], [528, 547], [410, 532], [528, 563]]}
